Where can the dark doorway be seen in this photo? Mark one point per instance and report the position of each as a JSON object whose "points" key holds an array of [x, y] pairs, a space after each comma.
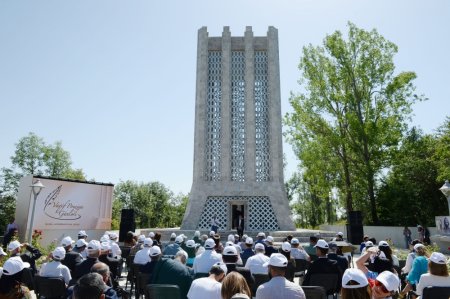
{"points": [[236, 212]]}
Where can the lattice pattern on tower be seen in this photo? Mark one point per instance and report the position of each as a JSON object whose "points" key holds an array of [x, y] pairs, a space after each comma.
{"points": [[213, 116], [261, 117], [238, 116], [260, 212]]}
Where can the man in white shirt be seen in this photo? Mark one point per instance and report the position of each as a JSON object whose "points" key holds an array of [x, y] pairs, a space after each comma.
{"points": [[142, 257], [203, 262], [279, 286], [55, 268], [256, 263], [209, 287]]}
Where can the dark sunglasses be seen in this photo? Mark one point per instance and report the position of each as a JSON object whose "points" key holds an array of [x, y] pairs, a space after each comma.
{"points": [[383, 288]]}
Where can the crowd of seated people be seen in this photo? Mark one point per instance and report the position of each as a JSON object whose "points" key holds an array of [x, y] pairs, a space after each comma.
{"points": [[203, 267]]}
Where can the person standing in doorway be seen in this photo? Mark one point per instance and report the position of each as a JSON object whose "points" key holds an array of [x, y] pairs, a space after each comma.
{"points": [[240, 227], [214, 224]]}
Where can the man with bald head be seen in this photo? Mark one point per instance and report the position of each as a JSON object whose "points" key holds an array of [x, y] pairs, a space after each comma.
{"points": [[103, 270]]}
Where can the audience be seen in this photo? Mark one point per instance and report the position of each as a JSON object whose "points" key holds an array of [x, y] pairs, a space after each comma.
{"points": [[142, 256], [419, 267], [55, 268], [437, 275], [93, 252], [234, 283], [32, 254], [342, 261], [286, 251], [209, 287], [297, 251], [204, 261], [256, 263], [11, 281], [355, 285], [72, 258], [89, 286]]}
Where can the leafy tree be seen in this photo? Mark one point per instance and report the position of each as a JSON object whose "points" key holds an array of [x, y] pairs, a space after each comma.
{"points": [[56, 159], [29, 154], [354, 106], [442, 151]]}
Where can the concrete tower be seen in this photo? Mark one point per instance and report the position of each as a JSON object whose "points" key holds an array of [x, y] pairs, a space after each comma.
{"points": [[238, 154]]}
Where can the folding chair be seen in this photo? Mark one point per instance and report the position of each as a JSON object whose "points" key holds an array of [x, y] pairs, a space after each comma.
{"points": [[436, 293], [314, 292], [166, 291], [28, 278], [50, 287], [328, 281], [259, 280], [142, 280]]}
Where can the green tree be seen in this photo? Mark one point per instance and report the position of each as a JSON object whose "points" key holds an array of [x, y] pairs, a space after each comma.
{"points": [[29, 154], [56, 160], [358, 106], [442, 151]]}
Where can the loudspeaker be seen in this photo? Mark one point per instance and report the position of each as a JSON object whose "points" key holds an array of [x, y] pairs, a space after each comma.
{"points": [[355, 230], [355, 218], [127, 223]]}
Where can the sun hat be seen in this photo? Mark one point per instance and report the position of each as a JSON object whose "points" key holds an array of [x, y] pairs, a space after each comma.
{"points": [[105, 238], [94, 245], [229, 250], [418, 245], [389, 280], [80, 243], [355, 275], [249, 241], [105, 246], [383, 244], [369, 244], [67, 241], [222, 266], [340, 234], [321, 243], [295, 241], [14, 265], [113, 236], [190, 243], [148, 242], [179, 239], [82, 233], [209, 243], [229, 243], [197, 233], [13, 245], [438, 258], [269, 239], [155, 250], [260, 246], [230, 238], [151, 235], [286, 247], [59, 253], [141, 238], [277, 260], [212, 233], [261, 234], [173, 235]]}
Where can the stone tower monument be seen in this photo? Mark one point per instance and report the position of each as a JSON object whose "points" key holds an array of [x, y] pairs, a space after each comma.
{"points": [[238, 155]]}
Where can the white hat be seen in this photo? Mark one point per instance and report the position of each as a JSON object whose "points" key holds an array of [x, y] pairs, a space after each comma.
{"points": [[59, 253], [260, 246], [82, 233], [209, 243], [322, 244], [13, 245], [222, 266], [231, 237], [229, 250], [197, 233], [2, 253], [190, 243], [155, 250], [94, 245], [173, 235], [240, 296], [340, 234], [261, 234], [369, 244], [286, 247], [80, 243], [269, 239], [389, 280], [105, 238], [105, 246], [67, 241], [148, 242], [182, 252], [212, 233], [383, 244], [295, 241], [249, 241], [179, 239], [357, 276], [418, 245], [151, 235], [277, 260], [229, 243], [141, 238], [14, 265], [438, 258], [113, 236]]}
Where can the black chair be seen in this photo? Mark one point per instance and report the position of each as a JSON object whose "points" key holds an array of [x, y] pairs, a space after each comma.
{"points": [[314, 292], [328, 281], [129, 263], [50, 287], [166, 291], [301, 266], [142, 280], [28, 278], [436, 293], [259, 280], [200, 275]]}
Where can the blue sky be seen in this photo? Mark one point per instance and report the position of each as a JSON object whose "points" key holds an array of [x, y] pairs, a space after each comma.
{"points": [[115, 80]]}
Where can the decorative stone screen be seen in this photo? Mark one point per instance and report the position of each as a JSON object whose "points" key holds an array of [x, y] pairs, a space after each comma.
{"points": [[261, 117], [260, 212], [237, 116], [213, 116]]}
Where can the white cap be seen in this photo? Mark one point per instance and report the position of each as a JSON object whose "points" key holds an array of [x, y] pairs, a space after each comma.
{"points": [[82, 233], [260, 246], [105, 246], [212, 233], [286, 247], [269, 239], [197, 233], [229, 250], [418, 245], [14, 265], [141, 238], [261, 234], [295, 241], [369, 244], [190, 243], [240, 296], [105, 238], [249, 241], [231, 237], [113, 236], [80, 243], [67, 241], [322, 244], [155, 250], [148, 242], [438, 258], [173, 235], [357, 276], [389, 280], [179, 239], [277, 260], [209, 243], [94, 245], [340, 234], [222, 266], [151, 235], [13, 245], [229, 243], [59, 253], [383, 244], [2, 253]]}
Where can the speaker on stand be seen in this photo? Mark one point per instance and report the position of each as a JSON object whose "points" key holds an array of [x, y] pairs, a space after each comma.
{"points": [[355, 230], [127, 223]]}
